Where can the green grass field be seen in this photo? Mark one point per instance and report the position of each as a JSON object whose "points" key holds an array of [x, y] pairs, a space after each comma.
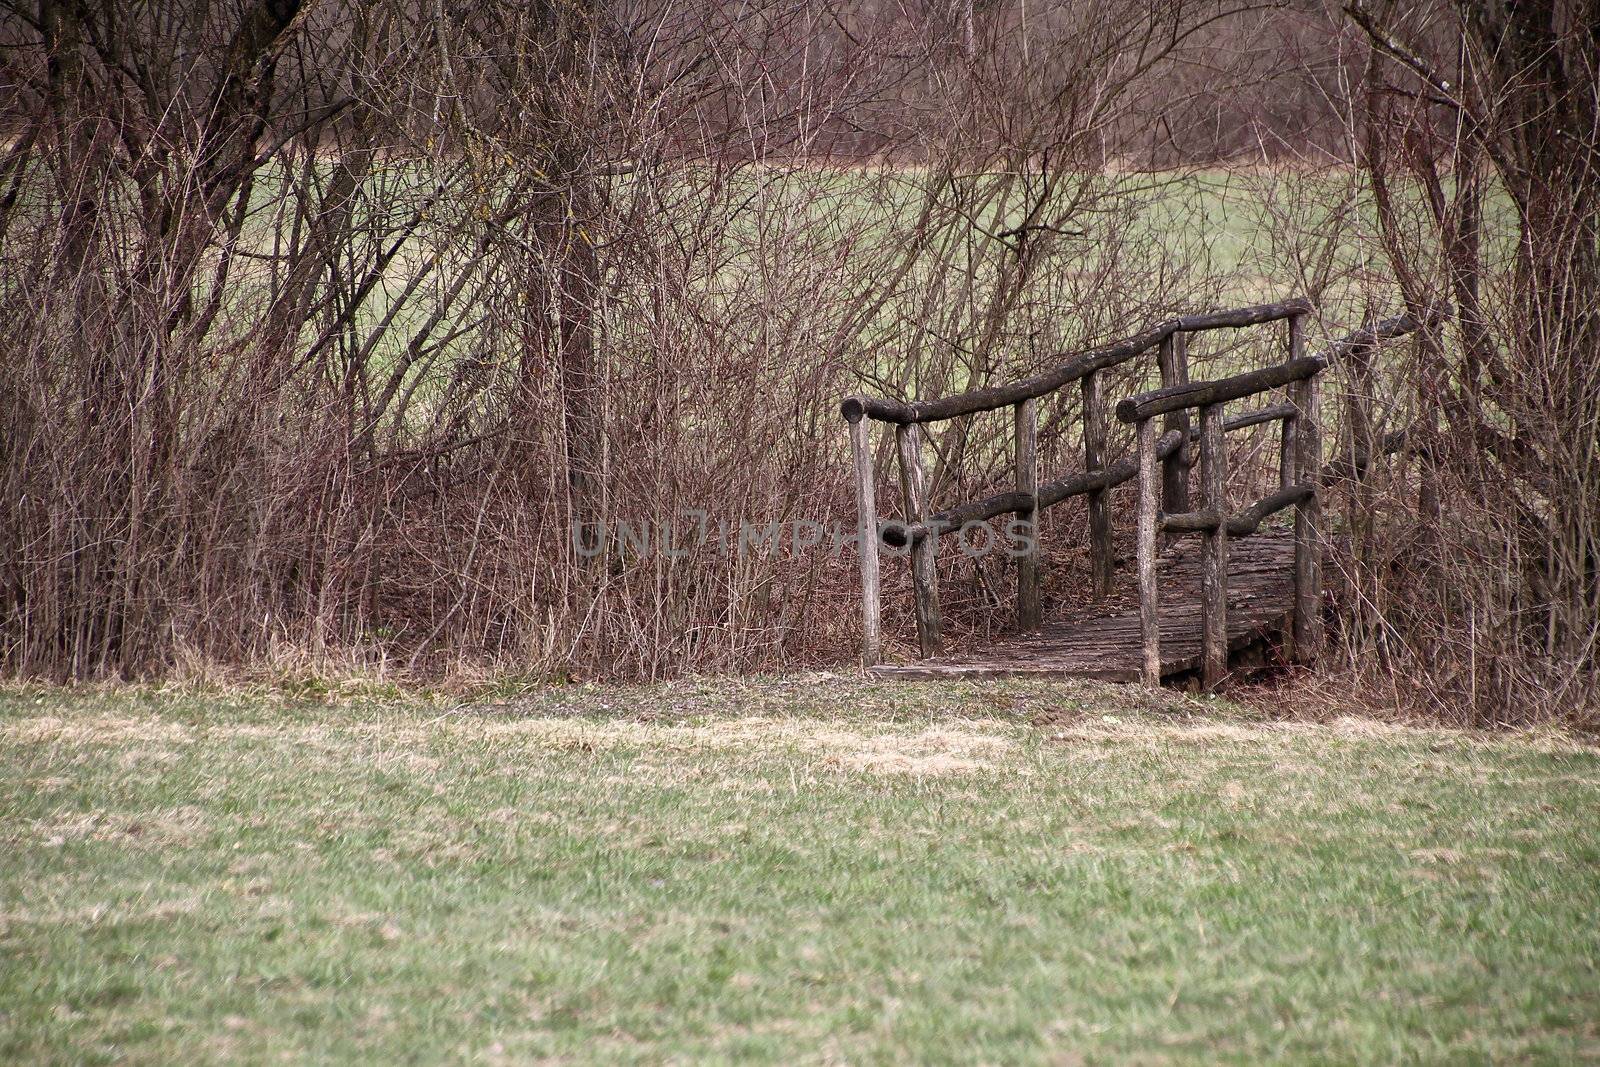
{"points": [[789, 870]]}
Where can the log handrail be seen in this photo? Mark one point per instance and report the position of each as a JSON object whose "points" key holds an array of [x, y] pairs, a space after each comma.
{"points": [[1220, 391], [898, 535], [1245, 522], [1017, 503], [1078, 365]]}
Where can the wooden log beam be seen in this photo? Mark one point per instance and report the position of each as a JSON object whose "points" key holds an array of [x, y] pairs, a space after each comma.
{"points": [[1190, 521], [1174, 363], [1214, 551], [1055, 492], [1246, 522], [1149, 601], [1029, 610], [999, 396], [1308, 633], [1241, 317], [867, 540], [898, 535], [1077, 365], [1102, 561], [1207, 394], [1049, 495], [1271, 413], [1288, 433], [1377, 333]]}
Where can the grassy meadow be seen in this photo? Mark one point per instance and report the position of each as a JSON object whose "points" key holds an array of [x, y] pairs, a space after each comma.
{"points": [[802, 869]]}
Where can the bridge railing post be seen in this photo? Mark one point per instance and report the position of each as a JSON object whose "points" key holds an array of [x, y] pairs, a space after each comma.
{"points": [[1102, 561], [1149, 603], [1308, 635], [867, 539], [1029, 610], [1214, 549], [924, 553], [1174, 362]]}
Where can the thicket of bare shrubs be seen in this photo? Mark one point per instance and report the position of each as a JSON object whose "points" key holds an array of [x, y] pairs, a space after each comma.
{"points": [[326, 325], [1476, 577]]}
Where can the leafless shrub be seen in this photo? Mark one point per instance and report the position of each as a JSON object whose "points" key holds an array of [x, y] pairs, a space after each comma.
{"points": [[1471, 188], [330, 323]]}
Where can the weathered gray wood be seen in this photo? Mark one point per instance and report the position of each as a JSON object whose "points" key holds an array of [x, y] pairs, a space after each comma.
{"points": [[1102, 562], [1190, 521], [1073, 368], [1288, 432], [1214, 551], [1026, 418], [1307, 527], [1201, 394], [1270, 413], [924, 569], [1237, 318], [1050, 494], [867, 540], [1103, 640], [1174, 361], [1243, 524], [1301, 582], [999, 396], [1286, 451], [1149, 600]]}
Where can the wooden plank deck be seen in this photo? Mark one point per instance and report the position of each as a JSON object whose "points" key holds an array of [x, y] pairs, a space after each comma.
{"points": [[1102, 642]]}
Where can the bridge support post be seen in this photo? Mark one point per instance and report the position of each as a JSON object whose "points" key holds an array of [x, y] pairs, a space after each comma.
{"points": [[1308, 635], [1101, 550], [1288, 468], [867, 539], [1214, 550], [1149, 604], [924, 554], [1173, 358], [1030, 613]]}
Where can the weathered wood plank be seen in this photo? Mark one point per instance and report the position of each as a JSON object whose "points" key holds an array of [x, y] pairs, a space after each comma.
{"points": [[999, 396], [1288, 433], [1270, 413], [1237, 318], [1104, 641]]}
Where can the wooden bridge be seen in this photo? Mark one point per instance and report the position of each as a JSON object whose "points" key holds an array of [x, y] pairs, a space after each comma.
{"points": [[1198, 607]]}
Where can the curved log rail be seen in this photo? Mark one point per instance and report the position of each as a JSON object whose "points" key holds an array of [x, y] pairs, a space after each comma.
{"points": [[899, 535], [1074, 368], [1163, 500]]}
